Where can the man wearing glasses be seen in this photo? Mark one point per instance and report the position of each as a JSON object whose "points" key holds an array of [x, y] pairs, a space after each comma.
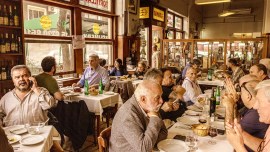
{"points": [[249, 122], [93, 73]]}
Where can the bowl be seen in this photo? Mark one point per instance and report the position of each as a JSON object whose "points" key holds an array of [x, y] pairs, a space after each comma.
{"points": [[34, 128], [93, 93], [200, 129]]}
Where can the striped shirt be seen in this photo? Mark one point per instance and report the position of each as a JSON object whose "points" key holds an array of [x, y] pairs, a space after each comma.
{"points": [[94, 76]]}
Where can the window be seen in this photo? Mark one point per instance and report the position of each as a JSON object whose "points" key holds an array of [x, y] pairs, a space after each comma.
{"points": [[63, 53], [97, 4], [40, 19], [94, 26], [102, 50]]}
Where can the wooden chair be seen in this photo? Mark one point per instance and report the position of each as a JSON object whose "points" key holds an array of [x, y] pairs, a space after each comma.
{"points": [[104, 139], [109, 112]]}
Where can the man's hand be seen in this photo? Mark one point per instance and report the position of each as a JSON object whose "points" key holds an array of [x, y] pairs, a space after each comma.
{"points": [[34, 85], [175, 106], [230, 89], [167, 106]]}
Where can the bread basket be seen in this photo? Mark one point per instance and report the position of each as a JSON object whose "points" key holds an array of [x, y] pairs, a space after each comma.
{"points": [[93, 93], [200, 129]]}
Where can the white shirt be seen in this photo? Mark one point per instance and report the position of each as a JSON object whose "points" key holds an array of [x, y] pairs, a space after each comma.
{"points": [[193, 90]]}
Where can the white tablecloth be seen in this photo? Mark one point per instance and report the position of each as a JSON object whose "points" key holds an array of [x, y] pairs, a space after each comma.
{"points": [[45, 146], [214, 82], [97, 103], [136, 83]]}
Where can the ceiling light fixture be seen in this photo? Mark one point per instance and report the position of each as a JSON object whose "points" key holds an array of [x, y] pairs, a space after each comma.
{"points": [[226, 13], [203, 2]]}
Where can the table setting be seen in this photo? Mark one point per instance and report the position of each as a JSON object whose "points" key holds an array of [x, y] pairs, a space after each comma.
{"points": [[196, 131]]}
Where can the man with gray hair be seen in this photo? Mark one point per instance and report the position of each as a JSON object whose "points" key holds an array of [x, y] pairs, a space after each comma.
{"points": [[27, 102], [235, 134], [137, 125], [154, 75], [93, 73]]}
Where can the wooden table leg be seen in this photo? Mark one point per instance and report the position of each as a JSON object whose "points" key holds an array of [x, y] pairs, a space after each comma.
{"points": [[98, 124]]}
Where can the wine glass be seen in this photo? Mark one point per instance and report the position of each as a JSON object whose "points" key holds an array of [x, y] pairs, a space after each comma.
{"points": [[212, 133], [190, 141]]}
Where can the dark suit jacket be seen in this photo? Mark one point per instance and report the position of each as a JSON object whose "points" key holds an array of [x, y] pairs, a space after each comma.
{"points": [[132, 131]]}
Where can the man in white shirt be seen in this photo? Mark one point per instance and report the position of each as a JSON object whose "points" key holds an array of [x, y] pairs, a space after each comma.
{"points": [[27, 102], [193, 90]]}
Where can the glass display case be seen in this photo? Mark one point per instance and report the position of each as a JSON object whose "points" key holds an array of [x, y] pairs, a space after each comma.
{"points": [[177, 52]]}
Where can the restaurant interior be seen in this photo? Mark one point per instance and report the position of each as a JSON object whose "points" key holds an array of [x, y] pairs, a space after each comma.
{"points": [[207, 48]]}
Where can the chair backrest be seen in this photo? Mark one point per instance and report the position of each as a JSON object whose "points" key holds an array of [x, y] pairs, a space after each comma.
{"points": [[104, 139]]}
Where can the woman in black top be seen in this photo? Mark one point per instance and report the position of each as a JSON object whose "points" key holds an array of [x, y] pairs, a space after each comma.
{"points": [[141, 69], [118, 69]]}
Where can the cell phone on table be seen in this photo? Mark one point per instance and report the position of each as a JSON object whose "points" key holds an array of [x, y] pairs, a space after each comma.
{"points": [[180, 137]]}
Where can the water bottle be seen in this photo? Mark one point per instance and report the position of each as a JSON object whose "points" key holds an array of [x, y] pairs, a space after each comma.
{"points": [[218, 96], [86, 87], [100, 87]]}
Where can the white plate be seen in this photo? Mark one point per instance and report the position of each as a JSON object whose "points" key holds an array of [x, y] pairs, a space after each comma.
{"points": [[13, 138], [172, 145], [17, 129], [188, 120], [31, 140], [109, 93], [192, 113]]}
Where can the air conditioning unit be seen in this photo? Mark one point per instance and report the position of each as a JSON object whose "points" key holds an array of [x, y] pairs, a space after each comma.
{"points": [[203, 2]]}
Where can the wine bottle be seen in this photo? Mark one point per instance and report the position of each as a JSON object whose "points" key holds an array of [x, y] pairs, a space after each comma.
{"points": [[100, 86], [3, 44], [16, 17], [212, 102], [13, 44], [10, 16], [5, 16], [86, 87], [7, 44], [218, 96], [4, 74], [1, 16]]}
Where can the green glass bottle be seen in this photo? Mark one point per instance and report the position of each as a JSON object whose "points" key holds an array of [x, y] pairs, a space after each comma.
{"points": [[218, 96], [86, 87], [209, 75], [100, 86]]}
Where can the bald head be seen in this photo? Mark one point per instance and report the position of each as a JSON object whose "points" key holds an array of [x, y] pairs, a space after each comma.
{"points": [[247, 78]]}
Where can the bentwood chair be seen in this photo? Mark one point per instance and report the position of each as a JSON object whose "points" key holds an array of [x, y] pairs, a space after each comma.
{"points": [[104, 139]]}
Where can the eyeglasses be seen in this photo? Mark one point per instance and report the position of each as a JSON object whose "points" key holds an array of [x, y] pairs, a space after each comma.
{"points": [[262, 145], [244, 86]]}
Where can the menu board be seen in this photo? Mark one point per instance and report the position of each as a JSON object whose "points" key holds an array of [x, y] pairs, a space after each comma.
{"points": [[178, 23], [170, 20]]}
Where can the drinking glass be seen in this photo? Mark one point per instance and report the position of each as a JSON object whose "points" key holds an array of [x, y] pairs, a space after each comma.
{"points": [[191, 142], [212, 133]]}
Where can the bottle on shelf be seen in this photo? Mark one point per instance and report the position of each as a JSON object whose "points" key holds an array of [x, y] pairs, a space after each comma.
{"points": [[19, 44], [100, 86], [5, 16], [3, 44], [7, 44], [10, 16], [86, 87], [218, 96], [4, 74], [1, 16], [8, 72], [16, 17], [212, 102], [209, 75], [13, 44]]}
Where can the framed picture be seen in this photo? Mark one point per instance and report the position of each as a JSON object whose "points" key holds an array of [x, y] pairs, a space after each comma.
{"points": [[132, 6]]}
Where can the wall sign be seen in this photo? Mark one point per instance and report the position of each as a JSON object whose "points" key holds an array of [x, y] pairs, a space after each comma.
{"points": [[144, 12], [158, 14]]}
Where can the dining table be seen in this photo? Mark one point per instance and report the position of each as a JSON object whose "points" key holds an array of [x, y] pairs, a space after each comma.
{"points": [[41, 142], [183, 127], [95, 103]]}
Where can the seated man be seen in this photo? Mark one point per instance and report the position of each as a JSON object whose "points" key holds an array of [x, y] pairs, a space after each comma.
{"points": [[46, 78], [266, 63], [172, 108], [193, 90], [93, 73], [260, 71], [137, 125], [238, 137], [250, 118], [27, 102]]}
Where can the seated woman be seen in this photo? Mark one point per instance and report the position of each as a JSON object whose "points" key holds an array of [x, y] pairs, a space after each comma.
{"points": [[119, 69], [193, 90], [172, 107], [141, 70]]}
